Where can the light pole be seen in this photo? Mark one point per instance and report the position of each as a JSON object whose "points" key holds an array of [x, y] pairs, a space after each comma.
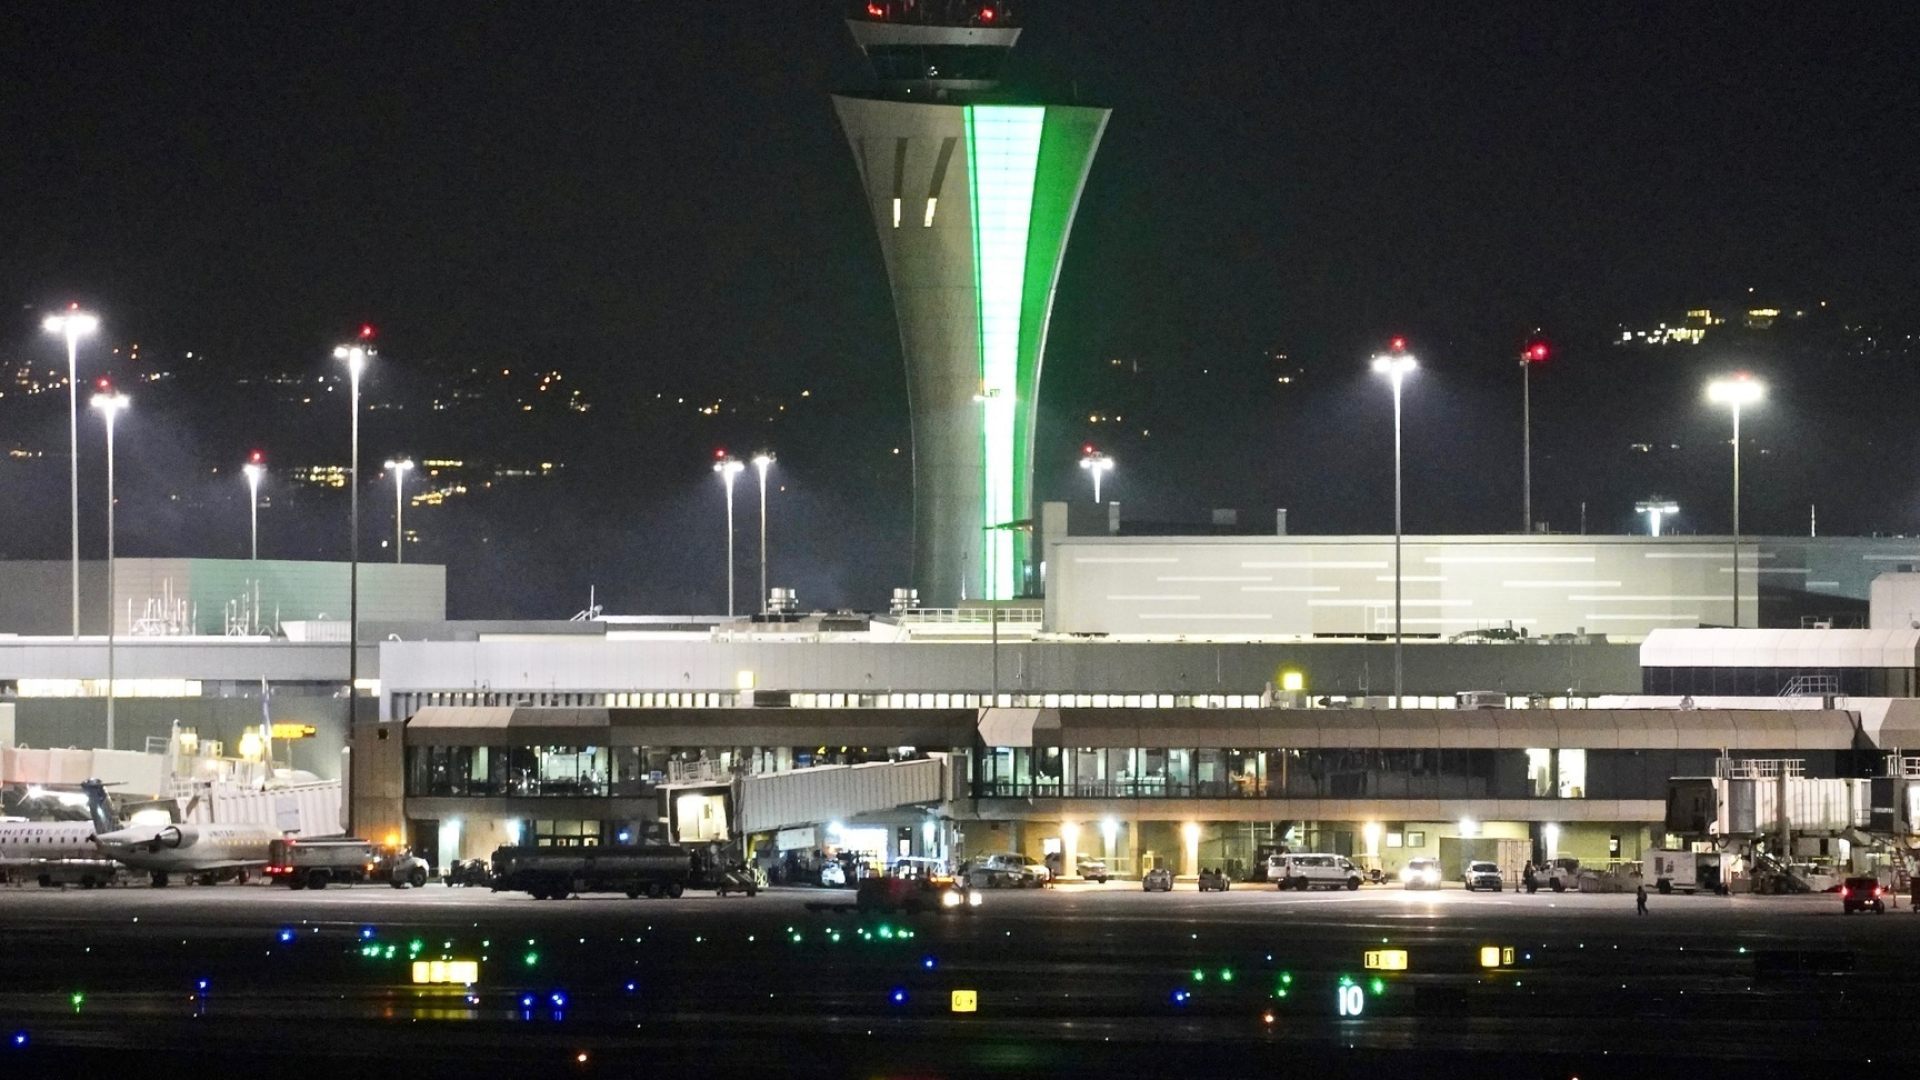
{"points": [[1655, 509], [356, 357], [729, 468], [1535, 353], [1097, 465], [399, 469], [110, 404], [1396, 364], [73, 326], [1740, 389], [255, 468], [763, 461]]}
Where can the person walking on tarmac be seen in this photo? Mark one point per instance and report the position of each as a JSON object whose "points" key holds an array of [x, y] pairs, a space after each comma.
{"points": [[1913, 883], [1640, 900]]}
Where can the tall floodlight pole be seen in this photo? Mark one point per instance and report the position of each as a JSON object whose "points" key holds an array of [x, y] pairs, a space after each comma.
{"points": [[1535, 353], [729, 468], [763, 461], [356, 357], [1395, 365], [73, 325], [1740, 389], [1655, 509], [399, 469], [255, 468], [1097, 465], [110, 404]]}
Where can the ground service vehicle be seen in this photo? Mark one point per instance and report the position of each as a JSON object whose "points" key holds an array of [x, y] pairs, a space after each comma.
{"points": [[342, 860], [554, 873], [1481, 874], [469, 872], [1004, 870], [1158, 879], [1422, 873], [1673, 870], [913, 886], [1310, 871], [1862, 894]]}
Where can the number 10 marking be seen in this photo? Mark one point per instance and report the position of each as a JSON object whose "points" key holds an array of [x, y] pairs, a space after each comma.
{"points": [[1353, 1000]]}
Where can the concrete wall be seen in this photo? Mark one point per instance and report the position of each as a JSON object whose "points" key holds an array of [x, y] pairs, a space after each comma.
{"points": [[82, 722], [1622, 586], [36, 597], [586, 664]]}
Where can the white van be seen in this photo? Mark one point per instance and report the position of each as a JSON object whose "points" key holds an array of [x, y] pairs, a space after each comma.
{"points": [[1310, 871]]}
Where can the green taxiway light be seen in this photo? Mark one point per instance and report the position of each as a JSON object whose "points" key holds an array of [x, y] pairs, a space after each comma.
{"points": [[1226, 974], [1199, 976], [1379, 986], [532, 959]]}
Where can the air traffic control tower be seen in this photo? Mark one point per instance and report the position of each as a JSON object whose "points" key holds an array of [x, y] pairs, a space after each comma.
{"points": [[973, 196]]}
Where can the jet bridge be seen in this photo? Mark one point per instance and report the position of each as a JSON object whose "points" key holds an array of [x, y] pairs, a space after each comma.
{"points": [[770, 801]]}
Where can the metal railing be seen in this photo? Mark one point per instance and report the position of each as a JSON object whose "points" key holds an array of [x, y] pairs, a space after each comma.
{"points": [[1811, 686], [976, 615], [1761, 768], [704, 771]]}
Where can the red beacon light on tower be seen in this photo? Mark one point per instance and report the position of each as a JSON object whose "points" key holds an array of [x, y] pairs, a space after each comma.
{"points": [[1399, 344], [366, 331], [1535, 353], [256, 458]]}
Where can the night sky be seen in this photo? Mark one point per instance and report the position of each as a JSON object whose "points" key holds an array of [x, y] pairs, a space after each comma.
{"points": [[656, 198]]}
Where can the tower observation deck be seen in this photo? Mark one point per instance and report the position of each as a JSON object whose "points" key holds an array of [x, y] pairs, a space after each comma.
{"points": [[973, 196]]}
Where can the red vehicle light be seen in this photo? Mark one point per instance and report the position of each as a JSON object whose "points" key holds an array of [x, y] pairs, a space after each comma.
{"points": [[1877, 890], [1845, 892]]}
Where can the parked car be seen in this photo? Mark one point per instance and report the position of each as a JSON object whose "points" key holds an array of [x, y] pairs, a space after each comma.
{"points": [[1310, 871], [833, 875], [1214, 881], [1482, 875], [1087, 869], [1862, 894], [1421, 873], [1159, 879]]}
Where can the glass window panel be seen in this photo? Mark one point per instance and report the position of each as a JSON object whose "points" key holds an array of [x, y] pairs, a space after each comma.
{"points": [[1540, 773], [1573, 774]]}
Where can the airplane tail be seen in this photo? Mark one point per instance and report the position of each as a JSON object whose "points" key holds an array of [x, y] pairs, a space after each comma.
{"points": [[104, 819]]}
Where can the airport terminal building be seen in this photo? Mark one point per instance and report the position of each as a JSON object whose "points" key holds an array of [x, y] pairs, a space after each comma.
{"points": [[936, 732]]}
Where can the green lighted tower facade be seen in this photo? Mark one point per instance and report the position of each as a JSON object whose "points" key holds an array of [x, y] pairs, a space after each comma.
{"points": [[973, 198]]}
